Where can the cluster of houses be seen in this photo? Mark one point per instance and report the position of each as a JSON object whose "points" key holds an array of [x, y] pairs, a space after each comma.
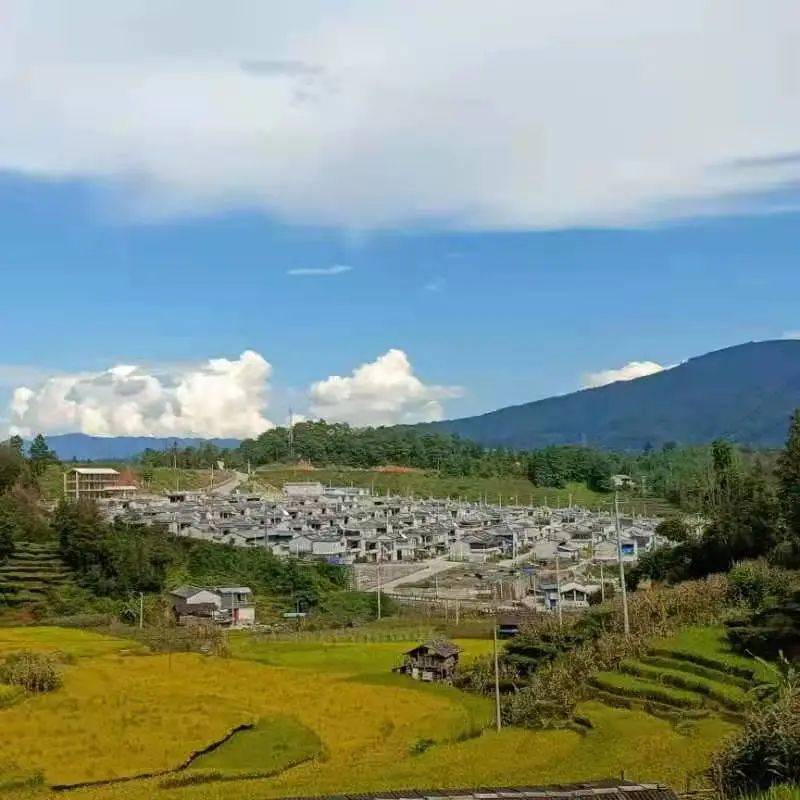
{"points": [[349, 525]]}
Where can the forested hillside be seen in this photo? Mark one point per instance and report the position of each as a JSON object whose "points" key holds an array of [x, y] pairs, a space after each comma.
{"points": [[745, 394]]}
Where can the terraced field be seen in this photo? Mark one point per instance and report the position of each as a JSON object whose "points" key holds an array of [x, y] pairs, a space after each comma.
{"points": [[691, 675], [312, 718], [33, 570]]}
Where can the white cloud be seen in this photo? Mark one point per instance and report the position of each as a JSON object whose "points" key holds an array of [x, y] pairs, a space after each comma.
{"points": [[435, 284], [13, 374], [540, 115], [220, 397], [381, 392], [336, 269], [631, 371]]}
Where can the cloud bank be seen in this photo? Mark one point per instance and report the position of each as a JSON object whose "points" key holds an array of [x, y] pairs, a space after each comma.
{"points": [[541, 115], [629, 372], [217, 398], [381, 392]]}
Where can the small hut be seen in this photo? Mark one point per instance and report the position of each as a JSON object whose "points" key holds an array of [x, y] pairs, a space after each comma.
{"points": [[435, 660]]}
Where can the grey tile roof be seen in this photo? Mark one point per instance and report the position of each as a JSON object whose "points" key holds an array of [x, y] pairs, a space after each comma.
{"points": [[609, 790]]}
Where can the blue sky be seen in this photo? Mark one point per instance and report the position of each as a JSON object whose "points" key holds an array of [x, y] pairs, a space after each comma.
{"points": [[509, 316], [383, 212]]}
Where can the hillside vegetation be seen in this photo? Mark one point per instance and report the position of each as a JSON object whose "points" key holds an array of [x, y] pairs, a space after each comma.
{"points": [[429, 483], [745, 394], [151, 479]]}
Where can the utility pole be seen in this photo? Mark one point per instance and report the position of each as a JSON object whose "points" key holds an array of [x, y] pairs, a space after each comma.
{"points": [[558, 592], [378, 568], [141, 610], [602, 584], [496, 678], [626, 625], [291, 435]]}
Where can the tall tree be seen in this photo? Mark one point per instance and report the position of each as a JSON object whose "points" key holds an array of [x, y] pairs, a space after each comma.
{"points": [[789, 479], [40, 455], [12, 466]]}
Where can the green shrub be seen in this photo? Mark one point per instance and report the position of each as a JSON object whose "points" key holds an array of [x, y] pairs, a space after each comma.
{"points": [[34, 672], [767, 751], [85, 621], [755, 583], [421, 745]]}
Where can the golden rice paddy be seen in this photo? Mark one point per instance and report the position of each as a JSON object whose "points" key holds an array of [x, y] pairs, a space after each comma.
{"points": [[121, 713]]}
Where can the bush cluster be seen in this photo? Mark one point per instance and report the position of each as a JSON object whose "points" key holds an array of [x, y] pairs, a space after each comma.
{"points": [[560, 662], [756, 583], [34, 672], [769, 632], [767, 750]]}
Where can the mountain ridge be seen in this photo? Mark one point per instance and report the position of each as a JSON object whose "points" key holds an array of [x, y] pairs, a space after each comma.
{"points": [[745, 393], [82, 447]]}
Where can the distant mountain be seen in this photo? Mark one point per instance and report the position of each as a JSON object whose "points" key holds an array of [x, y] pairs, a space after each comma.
{"points": [[745, 393], [79, 446]]}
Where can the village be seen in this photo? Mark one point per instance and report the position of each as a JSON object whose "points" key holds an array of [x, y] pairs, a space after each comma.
{"points": [[445, 553]]}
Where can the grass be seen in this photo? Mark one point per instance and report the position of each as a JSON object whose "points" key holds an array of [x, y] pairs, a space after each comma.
{"points": [[274, 744], [783, 792], [731, 697], [693, 669], [10, 695], [51, 482], [708, 647], [666, 662], [644, 689], [344, 658], [32, 570], [72, 642], [425, 483], [119, 715]]}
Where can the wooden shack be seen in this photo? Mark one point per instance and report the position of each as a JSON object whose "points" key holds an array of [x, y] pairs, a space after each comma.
{"points": [[435, 660]]}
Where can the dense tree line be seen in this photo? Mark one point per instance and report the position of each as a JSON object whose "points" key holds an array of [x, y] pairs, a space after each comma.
{"points": [[325, 444], [750, 512], [682, 475], [21, 515]]}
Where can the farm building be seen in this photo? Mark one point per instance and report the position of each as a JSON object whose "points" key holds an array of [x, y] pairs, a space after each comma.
{"points": [[431, 661], [231, 606], [94, 483]]}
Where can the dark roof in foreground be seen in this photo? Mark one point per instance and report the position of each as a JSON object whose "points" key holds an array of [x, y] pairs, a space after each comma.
{"points": [[441, 647], [606, 790]]}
